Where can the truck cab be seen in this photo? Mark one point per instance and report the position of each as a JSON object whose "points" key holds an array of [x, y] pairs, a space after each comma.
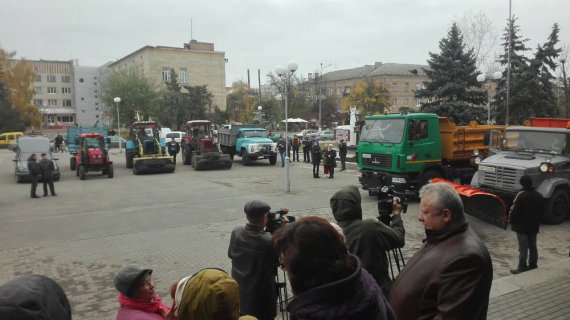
{"points": [[543, 153]]}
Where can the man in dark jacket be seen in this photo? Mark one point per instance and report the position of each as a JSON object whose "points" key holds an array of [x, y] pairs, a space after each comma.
{"points": [[35, 171], [342, 151], [33, 297], [254, 263], [370, 240], [525, 219], [173, 148], [450, 276], [282, 147], [47, 174], [306, 150], [316, 156]]}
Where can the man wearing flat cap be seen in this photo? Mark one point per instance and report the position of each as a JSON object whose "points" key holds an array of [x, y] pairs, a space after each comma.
{"points": [[254, 263]]}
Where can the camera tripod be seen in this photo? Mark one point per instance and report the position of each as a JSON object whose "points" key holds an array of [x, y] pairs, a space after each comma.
{"points": [[282, 294], [398, 257]]}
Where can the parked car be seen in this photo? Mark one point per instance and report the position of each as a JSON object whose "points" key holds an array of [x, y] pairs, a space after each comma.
{"points": [[326, 135], [9, 137], [114, 141], [276, 135], [25, 147], [308, 133]]}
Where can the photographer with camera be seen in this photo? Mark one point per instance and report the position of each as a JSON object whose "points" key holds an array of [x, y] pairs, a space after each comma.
{"points": [[369, 239], [254, 263]]}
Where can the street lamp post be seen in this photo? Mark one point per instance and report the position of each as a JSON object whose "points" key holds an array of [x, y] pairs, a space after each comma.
{"points": [[117, 101], [481, 78], [259, 108], [320, 93], [286, 75]]}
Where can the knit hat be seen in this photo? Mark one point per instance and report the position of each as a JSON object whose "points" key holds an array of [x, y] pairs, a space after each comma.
{"points": [[128, 279], [256, 208]]}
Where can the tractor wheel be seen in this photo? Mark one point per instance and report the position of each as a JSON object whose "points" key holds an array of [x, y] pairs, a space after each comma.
{"points": [[82, 172], [73, 163], [110, 172], [273, 160], [135, 171], [557, 208]]}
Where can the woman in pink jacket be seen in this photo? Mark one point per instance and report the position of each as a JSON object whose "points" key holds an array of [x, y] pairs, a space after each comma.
{"points": [[137, 296]]}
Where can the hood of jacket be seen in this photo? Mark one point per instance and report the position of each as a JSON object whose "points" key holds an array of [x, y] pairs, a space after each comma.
{"points": [[209, 294], [345, 204], [33, 298]]}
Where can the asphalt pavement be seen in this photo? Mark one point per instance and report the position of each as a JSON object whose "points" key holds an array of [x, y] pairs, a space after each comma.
{"points": [[179, 223]]}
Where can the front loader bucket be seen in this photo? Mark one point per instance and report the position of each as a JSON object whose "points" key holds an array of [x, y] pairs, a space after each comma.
{"points": [[212, 161], [483, 205]]}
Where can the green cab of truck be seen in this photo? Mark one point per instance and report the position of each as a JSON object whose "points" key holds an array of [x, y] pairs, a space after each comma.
{"points": [[406, 151]]}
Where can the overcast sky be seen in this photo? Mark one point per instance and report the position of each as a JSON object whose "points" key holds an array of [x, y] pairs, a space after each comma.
{"points": [[260, 34]]}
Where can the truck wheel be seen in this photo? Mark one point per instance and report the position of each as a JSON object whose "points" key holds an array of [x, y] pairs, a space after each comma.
{"points": [[73, 163], [245, 158], [273, 160], [557, 207], [110, 172], [232, 154], [427, 176], [82, 172]]}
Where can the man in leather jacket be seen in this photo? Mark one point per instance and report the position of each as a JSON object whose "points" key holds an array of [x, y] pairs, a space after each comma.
{"points": [[35, 172], [254, 263], [450, 276]]}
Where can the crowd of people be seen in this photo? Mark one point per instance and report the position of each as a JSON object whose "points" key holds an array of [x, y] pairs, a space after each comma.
{"points": [[336, 270], [312, 153]]}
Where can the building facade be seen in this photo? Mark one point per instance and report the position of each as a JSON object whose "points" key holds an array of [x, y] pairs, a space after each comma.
{"points": [[196, 63], [401, 80], [54, 92], [88, 105]]}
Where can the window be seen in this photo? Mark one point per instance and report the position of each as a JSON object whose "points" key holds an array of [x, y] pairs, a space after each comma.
{"points": [[418, 87], [81, 80], [52, 102], [394, 87], [37, 90], [395, 101], [97, 116], [38, 78], [51, 78], [66, 90], [38, 102], [51, 90], [165, 74], [66, 103], [405, 101], [406, 87], [66, 79], [417, 102], [183, 75]]}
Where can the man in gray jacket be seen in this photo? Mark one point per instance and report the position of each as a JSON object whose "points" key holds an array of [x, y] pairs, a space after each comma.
{"points": [[368, 239]]}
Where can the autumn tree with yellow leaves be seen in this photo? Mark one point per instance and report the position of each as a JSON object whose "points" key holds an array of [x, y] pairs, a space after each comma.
{"points": [[368, 97], [17, 79], [240, 103]]}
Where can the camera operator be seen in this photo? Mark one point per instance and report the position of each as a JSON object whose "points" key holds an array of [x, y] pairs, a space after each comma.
{"points": [[254, 263], [369, 239]]}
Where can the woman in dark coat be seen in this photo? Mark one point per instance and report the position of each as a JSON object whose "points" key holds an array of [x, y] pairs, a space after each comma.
{"points": [[330, 161], [316, 157]]}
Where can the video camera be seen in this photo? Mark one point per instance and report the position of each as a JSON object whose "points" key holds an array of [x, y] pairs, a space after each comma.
{"points": [[385, 201], [277, 219]]}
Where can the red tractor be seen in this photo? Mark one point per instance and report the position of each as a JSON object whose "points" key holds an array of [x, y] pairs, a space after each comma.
{"points": [[92, 155], [200, 150]]}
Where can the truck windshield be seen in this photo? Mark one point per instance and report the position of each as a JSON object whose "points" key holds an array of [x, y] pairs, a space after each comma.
{"points": [[383, 130], [533, 141], [250, 134]]}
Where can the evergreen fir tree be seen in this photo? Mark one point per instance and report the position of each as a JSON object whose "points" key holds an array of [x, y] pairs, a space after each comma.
{"points": [[453, 73], [545, 59]]}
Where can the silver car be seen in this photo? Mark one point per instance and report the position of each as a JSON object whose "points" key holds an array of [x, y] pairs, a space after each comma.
{"points": [[27, 145]]}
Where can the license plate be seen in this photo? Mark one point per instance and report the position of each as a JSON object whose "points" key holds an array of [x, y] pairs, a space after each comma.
{"points": [[366, 155]]}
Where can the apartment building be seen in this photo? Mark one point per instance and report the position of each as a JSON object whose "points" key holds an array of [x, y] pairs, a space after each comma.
{"points": [[402, 80], [88, 105], [196, 63], [54, 92]]}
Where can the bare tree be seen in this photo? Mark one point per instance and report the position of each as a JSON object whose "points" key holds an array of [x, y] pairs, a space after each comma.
{"points": [[480, 35]]}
